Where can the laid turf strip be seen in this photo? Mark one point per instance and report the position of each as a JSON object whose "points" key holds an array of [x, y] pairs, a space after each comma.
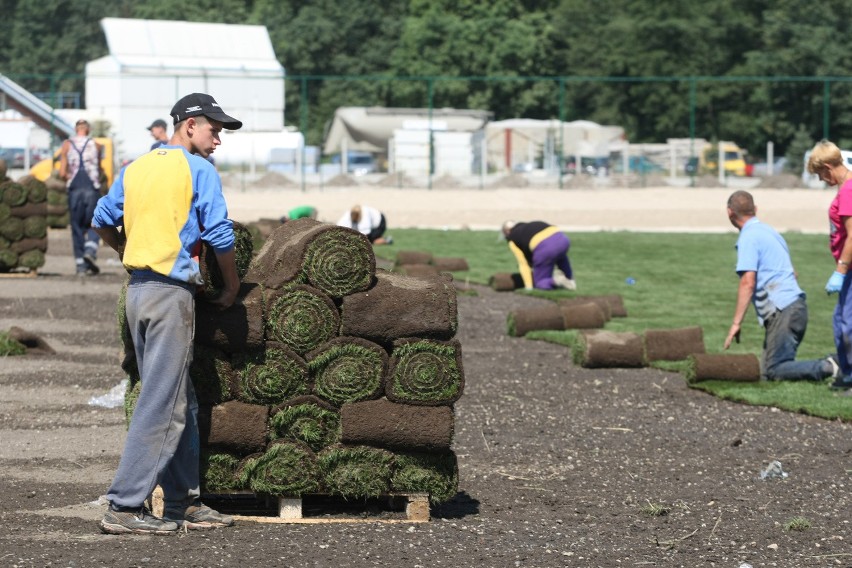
{"points": [[234, 426], [583, 316], [284, 469], [336, 260], [348, 369], [413, 257], [306, 419], [239, 328], [673, 344], [450, 264], [523, 320], [435, 473], [271, 375], [398, 426], [723, 367], [301, 317], [506, 281], [219, 472], [425, 372], [358, 471], [609, 349], [601, 302], [401, 306]]}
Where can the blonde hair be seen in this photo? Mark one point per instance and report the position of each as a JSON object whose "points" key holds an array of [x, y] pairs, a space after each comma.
{"points": [[824, 154]]}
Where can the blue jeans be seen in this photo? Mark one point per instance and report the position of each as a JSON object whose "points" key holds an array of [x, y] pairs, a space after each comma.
{"points": [[163, 443], [81, 208], [784, 332], [843, 329]]}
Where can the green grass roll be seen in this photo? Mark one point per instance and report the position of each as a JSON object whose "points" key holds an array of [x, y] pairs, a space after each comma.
{"points": [[272, 375], [284, 469], [425, 372], [306, 419], [358, 471], [35, 227], [12, 193], [301, 317], [212, 374], [348, 369], [12, 228], [31, 259], [433, 473], [220, 472], [36, 189]]}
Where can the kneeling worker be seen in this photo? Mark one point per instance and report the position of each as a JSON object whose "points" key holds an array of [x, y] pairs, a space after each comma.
{"points": [[767, 280], [540, 248]]}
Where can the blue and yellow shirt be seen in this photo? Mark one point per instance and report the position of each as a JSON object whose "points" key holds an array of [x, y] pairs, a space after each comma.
{"points": [[167, 201]]}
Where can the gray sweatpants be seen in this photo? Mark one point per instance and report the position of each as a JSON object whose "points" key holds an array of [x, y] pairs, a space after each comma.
{"points": [[162, 445]]}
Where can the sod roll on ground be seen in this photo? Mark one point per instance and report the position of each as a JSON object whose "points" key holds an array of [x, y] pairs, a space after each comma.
{"points": [[743, 367]]}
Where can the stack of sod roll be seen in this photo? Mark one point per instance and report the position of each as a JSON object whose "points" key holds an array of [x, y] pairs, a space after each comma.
{"points": [[328, 376], [420, 263], [58, 216], [23, 224]]}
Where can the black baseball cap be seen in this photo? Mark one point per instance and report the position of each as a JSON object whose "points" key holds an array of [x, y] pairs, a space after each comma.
{"points": [[159, 122], [198, 104]]}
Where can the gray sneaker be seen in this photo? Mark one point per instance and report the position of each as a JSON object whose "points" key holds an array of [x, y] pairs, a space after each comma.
{"points": [[91, 264], [135, 521], [197, 516]]}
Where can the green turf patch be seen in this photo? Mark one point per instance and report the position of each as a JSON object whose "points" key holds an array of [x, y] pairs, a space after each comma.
{"points": [[13, 194], [339, 263], [425, 372], [10, 346], [359, 471], [347, 372], [307, 423], [31, 259], [284, 469], [436, 474], [272, 376], [302, 319], [219, 472]]}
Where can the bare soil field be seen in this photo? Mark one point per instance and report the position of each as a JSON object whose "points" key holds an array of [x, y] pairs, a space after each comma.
{"points": [[559, 465]]}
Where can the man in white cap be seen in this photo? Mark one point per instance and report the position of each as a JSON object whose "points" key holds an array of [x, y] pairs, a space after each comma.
{"points": [[167, 201]]}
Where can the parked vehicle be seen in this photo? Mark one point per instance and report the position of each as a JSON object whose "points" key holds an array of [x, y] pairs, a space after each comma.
{"points": [[733, 159], [358, 163], [639, 165]]}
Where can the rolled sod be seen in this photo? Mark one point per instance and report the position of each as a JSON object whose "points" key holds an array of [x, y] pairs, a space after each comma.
{"points": [[616, 304], [285, 469], [336, 260], [413, 257], [219, 472], [723, 367], [425, 372], [301, 317], [8, 259], [433, 473], [397, 426], [348, 369], [601, 302], [31, 259], [506, 281], [609, 349], [212, 374], [450, 264], [36, 189], [59, 221], [401, 306], [131, 395], [29, 244], [209, 264], [523, 320], [35, 227], [358, 471], [57, 198], [417, 269], [12, 228], [306, 419], [234, 426], [34, 342], [239, 328], [673, 344], [29, 210], [13, 194], [271, 375], [583, 316], [5, 211]]}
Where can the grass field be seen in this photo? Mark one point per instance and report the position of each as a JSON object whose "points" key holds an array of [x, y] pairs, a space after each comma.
{"points": [[680, 280]]}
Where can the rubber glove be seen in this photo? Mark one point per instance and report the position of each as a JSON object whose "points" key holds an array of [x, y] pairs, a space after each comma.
{"points": [[835, 282]]}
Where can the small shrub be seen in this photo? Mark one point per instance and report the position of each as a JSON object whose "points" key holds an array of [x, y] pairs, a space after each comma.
{"points": [[654, 510], [797, 524]]}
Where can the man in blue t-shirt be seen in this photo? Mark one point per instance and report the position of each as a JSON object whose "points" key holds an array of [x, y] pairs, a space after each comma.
{"points": [[768, 281]]}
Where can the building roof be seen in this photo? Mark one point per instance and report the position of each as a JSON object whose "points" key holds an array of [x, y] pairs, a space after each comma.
{"points": [[369, 128], [194, 47], [34, 108]]}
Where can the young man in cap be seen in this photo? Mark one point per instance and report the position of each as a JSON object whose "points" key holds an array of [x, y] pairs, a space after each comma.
{"points": [[167, 201], [79, 165], [158, 131]]}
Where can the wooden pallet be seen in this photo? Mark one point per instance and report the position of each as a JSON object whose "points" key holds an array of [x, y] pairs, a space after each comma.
{"points": [[321, 508], [33, 272]]}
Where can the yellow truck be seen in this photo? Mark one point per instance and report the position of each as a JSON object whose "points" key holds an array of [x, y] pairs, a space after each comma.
{"points": [[733, 158], [43, 169]]}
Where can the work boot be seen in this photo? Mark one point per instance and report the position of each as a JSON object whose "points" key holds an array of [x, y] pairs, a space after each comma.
{"points": [[91, 264], [197, 516], [135, 520]]}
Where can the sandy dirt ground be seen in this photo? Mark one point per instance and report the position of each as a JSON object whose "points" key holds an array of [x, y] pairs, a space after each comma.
{"points": [[607, 209]]}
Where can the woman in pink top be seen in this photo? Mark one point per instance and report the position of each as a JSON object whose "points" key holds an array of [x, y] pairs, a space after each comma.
{"points": [[827, 162]]}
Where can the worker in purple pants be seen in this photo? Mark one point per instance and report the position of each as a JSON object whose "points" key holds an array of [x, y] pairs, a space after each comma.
{"points": [[542, 253]]}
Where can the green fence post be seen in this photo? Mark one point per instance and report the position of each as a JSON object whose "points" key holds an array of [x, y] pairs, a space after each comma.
{"points": [[692, 103], [303, 123], [560, 156], [431, 91], [826, 107]]}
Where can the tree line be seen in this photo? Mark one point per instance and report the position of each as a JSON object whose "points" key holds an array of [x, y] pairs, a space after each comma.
{"points": [[623, 62]]}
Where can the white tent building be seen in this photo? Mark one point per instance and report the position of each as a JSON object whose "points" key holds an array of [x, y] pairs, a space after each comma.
{"points": [[152, 63]]}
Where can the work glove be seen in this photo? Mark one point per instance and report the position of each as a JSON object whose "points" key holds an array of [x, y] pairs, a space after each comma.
{"points": [[569, 284], [835, 282]]}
